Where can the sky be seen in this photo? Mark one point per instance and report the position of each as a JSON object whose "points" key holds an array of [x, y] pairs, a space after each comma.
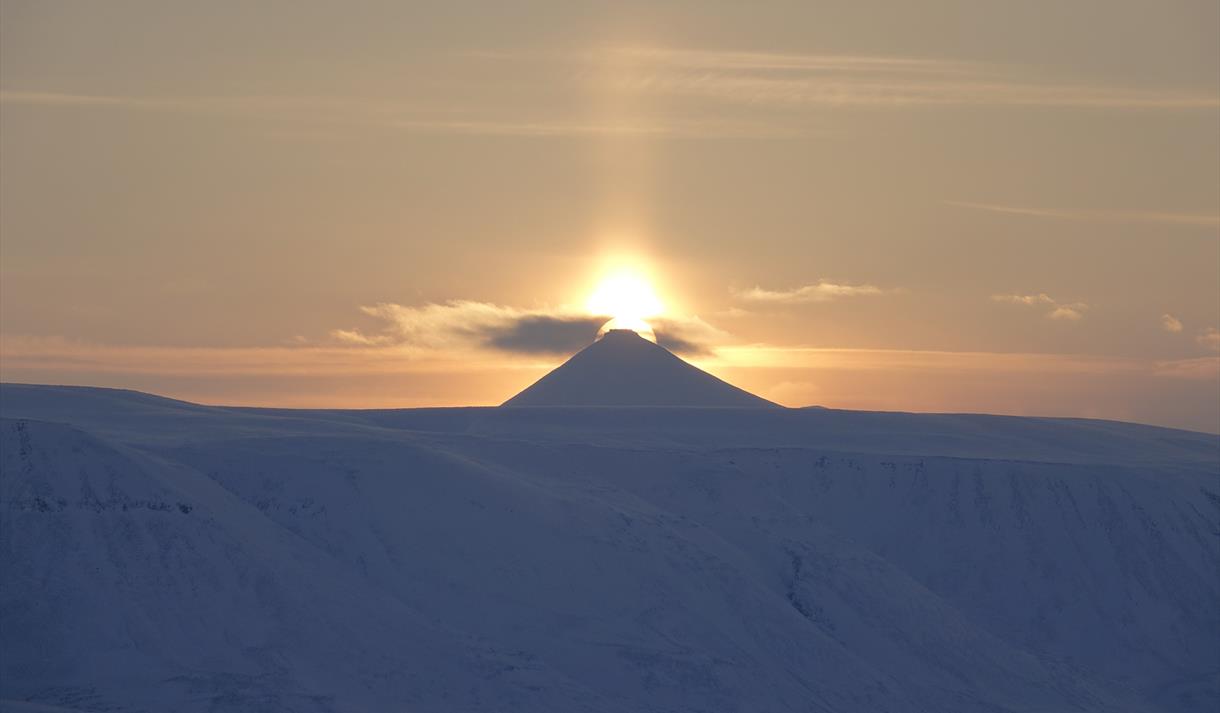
{"points": [[952, 205]]}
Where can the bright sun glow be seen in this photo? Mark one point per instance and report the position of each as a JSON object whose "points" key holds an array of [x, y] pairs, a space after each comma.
{"points": [[628, 299]]}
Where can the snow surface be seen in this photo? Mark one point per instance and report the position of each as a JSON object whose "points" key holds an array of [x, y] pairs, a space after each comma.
{"points": [[624, 369], [159, 555]]}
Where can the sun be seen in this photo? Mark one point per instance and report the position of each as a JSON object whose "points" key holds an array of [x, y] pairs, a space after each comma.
{"points": [[628, 299]]}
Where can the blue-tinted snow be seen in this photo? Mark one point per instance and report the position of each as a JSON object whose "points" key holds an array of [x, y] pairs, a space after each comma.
{"points": [[158, 555]]}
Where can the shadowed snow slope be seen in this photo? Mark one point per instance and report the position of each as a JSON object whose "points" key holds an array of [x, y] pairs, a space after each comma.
{"points": [[624, 369], [159, 555]]}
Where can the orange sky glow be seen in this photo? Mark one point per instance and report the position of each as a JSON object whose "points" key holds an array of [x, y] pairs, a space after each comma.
{"points": [[831, 206]]}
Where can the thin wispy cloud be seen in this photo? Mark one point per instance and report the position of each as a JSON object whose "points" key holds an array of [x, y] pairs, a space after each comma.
{"points": [[688, 335], [299, 117], [671, 127], [356, 115], [1071, 311], [1196, 369], [320, 107], [20, 353], [59, 99], [1038, 299], [1185, 219], [915, 360], [538, 128], [759, 82], [1209, 338], [870, 81], [1170, 323], [820, 291], [60, 354]]}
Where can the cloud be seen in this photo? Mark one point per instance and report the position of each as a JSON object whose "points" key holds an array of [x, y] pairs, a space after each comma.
{"points": [[798, 394], [775, 94], [1210, 338], [681, 345], [1070, 312], [703, 127], [821, 291], [355, 336], [1095, 216], [687, 335], [859, 80], [320, 118], [24, 353], [780, 62], [1170, 323], [772, 356], [62, 99], [1040, 298], [464, 325], [259, 106], [545, 334], [1197, 369], [455, 338], [59, 354]]}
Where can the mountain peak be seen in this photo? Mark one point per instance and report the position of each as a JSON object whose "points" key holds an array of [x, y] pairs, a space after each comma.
{"points": [[623, 335], [624, 369]]}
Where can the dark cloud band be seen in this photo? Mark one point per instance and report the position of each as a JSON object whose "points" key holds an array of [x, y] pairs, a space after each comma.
{"points": [[544, 334]]}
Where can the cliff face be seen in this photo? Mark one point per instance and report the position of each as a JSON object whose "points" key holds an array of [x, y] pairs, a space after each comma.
{"points": [[160, 555]]}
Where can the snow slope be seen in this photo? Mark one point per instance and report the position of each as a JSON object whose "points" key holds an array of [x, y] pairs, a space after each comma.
{"points": [[159, 555], [624, 369]]}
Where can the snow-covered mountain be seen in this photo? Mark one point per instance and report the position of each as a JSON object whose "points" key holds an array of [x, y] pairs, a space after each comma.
{"points": [[159, 555], [624, 369]]}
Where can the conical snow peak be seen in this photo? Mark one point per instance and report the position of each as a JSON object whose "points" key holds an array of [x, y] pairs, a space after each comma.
{"points": [[624, 369]]}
